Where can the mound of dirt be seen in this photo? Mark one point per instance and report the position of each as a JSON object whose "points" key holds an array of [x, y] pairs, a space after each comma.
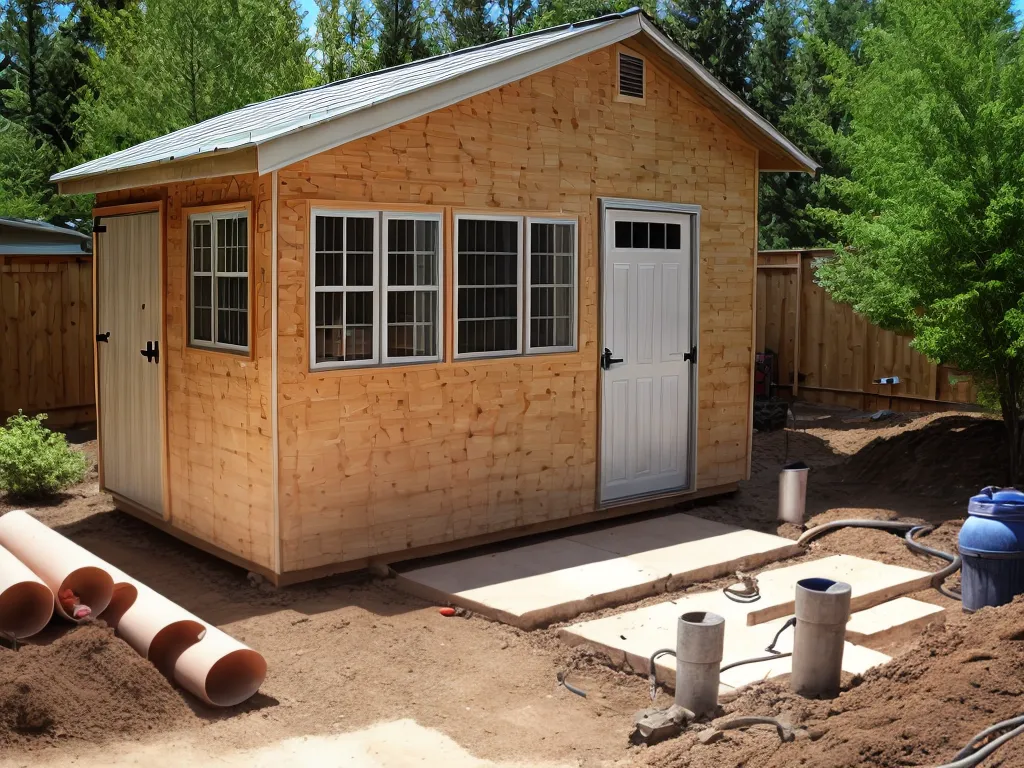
{"points": [[919, 709], [86, 685], [949, 456]]}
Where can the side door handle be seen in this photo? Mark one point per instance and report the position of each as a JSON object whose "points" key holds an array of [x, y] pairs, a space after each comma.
{"points": [[151, 352], [103, 337], [607, 360], [691, 356]]}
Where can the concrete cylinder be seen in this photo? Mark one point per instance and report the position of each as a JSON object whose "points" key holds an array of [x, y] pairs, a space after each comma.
{"points": [[822, 610], [793, 492], [699, 643]]}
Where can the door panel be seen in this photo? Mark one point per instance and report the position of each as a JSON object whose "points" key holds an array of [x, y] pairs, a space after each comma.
{"points": [[645, 433], [128, 306]]}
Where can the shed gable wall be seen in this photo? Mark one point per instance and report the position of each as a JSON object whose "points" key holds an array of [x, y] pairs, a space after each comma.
{"points": [[375, 461]]}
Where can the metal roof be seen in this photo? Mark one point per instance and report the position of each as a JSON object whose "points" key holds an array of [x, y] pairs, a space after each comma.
{"points": [[375, 101], [41, 226]]}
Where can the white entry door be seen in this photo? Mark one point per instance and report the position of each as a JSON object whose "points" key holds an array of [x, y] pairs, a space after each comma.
{"points": [[128, 310], [648, 353]]}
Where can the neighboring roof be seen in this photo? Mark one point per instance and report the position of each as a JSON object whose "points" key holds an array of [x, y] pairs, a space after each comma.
{"points": [[41, 226], [293, 127]]}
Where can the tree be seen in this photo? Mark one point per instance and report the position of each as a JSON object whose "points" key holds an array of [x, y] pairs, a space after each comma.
{"points": [[403, 33], [719, 34], [933, 231], [515, 15], [167, 64], [470, 23], [343, 43], [552, 13]]}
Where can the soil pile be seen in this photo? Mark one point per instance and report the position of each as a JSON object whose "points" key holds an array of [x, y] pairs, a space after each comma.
{"points": [[919, 709], [949, 456], [86, 685]]}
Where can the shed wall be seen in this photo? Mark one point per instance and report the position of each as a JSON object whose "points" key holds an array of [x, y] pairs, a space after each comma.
{"points": [[218, 404], [376, 461]]}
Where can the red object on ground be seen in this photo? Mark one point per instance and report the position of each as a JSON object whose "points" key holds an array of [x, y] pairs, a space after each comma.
{"points": [[447, 611]]}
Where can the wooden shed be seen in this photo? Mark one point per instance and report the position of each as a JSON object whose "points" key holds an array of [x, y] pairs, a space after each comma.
{"points": [[486, 294], [46, 344]]}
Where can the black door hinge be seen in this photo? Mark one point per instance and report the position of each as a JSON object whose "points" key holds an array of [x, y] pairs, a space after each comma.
{"points": [[96, 226], [691, 355], [103, 336], [151, 352]]}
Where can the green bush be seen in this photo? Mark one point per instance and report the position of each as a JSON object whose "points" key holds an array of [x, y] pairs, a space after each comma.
{"points": [[34, 461]]}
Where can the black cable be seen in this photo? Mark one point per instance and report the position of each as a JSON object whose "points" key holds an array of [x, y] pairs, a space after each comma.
{"points": [[791, 622], [561, 679]]}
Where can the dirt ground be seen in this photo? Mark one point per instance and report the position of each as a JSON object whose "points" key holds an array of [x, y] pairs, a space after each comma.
{"points": [[347, 652]]}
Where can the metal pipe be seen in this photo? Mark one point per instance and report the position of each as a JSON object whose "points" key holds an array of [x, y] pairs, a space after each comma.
{"points": [[699, 647], [822, 610]]}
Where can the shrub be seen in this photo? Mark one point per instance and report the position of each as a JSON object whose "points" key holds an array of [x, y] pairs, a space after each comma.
{"points": [[34, 461]]}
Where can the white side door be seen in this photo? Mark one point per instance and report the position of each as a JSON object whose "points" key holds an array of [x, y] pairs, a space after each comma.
{"points": [[648, 353], [128, 308]]}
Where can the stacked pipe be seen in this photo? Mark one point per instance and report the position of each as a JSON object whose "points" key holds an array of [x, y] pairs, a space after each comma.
{"points": [[42, 571]]}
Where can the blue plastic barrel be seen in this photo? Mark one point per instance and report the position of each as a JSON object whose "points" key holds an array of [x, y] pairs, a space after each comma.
{"points": [[992, 547]]}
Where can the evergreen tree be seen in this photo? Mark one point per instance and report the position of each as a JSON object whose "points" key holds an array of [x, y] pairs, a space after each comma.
{"points": [[402, 35], [516, 16], [469, 23], [719, 34], [171, 63], [343, 42], [552, 13]]}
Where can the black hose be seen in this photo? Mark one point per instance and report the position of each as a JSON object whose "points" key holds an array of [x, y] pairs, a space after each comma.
{"points": [[976, 757], [755, 660], [973, 746], [910, 530], [653, 676]]}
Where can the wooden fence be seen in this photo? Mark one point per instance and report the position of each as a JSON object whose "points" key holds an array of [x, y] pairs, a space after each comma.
{"points": [[46, 338], [828, 353]]}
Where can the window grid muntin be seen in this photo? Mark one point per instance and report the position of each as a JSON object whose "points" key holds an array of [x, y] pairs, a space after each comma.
{"points": [[556, 286], [426, 333], [235, 247]]}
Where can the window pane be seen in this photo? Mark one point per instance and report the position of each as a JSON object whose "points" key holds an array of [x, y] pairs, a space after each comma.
{"points": [[639, 234], [202, 308], [674, 240], [623, 234], [412, 323], [488, 279], [232, 311], [657, 234], [552, 285]]}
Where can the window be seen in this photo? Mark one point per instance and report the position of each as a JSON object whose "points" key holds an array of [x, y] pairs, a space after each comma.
{"points": [[490, 274], [219, 281], [631, 76], [373, 271], [551, 302], [655, 235]]}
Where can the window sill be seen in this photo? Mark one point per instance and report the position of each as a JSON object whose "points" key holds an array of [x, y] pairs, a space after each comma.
{"points": [[220, 353]]}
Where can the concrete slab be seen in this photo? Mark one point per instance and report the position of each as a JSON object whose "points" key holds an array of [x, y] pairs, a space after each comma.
{"points": [[873, 583], [629, 639], [894, 623], [558, 579]]}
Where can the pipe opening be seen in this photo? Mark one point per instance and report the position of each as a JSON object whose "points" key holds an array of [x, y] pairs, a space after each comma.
{"points": [[25, 608], [92, 586], [172, 641], [235, 677], [817, 584], [702, 618], [124, 597]]}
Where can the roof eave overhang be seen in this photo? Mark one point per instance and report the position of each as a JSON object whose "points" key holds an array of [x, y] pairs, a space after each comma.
{"points": [[204, 166]]}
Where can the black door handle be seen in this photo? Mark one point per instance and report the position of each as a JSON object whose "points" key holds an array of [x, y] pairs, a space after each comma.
{"points": [[103, 336], [607, 360], [151, 352]]}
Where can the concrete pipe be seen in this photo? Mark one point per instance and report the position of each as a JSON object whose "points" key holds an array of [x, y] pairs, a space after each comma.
{"points": [[60, 563], [822, 610], [26, 603], [699, 643]]}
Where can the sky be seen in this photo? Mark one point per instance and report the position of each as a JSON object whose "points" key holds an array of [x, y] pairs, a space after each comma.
{"points": [[309, 6]]}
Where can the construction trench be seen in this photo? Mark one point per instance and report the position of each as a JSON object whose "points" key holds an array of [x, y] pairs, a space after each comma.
{"points": [[917, 678]]}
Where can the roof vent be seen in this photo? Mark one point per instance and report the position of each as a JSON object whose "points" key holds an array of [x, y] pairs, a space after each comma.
{"points": [[631, 76]]}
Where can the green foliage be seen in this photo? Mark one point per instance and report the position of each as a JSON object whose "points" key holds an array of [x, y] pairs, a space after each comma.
{"points": [[35, 461], [552, 13], [172, 63], [719, 34], [343, 42], [403, 33], [933, 217], [470, 22]]}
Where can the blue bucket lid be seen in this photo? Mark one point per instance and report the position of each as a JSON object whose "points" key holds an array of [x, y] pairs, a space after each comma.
{"points": [[1005, 504]]}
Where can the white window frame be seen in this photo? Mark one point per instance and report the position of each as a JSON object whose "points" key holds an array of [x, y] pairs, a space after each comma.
{"points": [[315, 289], [212, 218], [519, 287], [528, 285], [385, 288]]}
